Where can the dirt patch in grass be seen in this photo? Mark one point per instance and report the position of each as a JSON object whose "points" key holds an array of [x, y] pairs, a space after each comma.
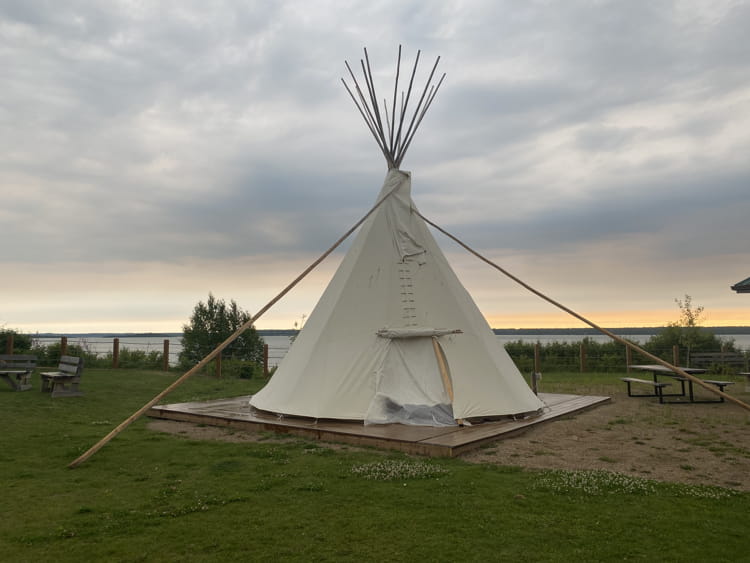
{"points": [[706, 444], [204, 432]]}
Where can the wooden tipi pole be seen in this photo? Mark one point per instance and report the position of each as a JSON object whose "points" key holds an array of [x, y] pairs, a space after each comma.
{"points": [[675, 369], [133, 417]]}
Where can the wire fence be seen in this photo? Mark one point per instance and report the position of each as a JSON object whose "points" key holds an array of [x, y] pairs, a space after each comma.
{"points": [[586, 355], [129, 349]]}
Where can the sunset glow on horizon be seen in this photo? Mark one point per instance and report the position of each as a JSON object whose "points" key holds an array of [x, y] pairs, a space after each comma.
{"points": [[604, 319], [615, 319]]}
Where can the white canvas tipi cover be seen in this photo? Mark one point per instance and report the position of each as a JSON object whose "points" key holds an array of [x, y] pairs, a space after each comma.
{"points": [[396, 337]]}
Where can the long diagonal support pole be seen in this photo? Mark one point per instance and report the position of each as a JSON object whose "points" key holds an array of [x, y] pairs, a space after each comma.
{"points": [[675, 369], [133, 417]]}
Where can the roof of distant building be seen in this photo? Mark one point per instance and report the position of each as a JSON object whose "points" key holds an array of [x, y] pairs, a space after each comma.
{"points": [[743, 286]]}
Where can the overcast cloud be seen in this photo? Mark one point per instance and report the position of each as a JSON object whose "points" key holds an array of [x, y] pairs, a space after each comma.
{"points": [[151, 152]]}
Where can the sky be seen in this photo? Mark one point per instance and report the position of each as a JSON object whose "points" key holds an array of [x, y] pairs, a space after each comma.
{"points": [[152, 153]]}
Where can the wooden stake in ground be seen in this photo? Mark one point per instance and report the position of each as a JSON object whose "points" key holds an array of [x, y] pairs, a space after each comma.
{"points": [[200, 365]]}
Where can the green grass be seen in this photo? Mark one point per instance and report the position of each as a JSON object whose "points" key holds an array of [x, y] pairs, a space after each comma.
{"points": [[153, 497]]}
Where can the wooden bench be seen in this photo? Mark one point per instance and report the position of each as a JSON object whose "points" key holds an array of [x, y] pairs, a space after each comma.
{"points": [[64, 382], [691, 394], [16, 370], [720, 385], [734, 360], [658, 387]]}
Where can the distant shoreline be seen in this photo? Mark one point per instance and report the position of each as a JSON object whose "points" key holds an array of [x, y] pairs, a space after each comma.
{"points": [[718, 330]]}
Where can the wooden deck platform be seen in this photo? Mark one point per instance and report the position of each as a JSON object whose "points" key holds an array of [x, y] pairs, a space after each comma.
{"points": [[423, 440]]}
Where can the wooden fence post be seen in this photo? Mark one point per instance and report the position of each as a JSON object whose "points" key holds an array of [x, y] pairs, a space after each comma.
{"points": [[63, 345], [9, 344], [265, 360], [165, 355], [628, 358], [537, 358], [583, 356], [676, 355], [116, 353]]}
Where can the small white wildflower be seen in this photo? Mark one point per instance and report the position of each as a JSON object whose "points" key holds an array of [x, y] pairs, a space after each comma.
{"points": [[391, 470], [599, 482]]}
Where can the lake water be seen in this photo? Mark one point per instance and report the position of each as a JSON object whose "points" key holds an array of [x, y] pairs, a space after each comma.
{"points": [[279, 345]]}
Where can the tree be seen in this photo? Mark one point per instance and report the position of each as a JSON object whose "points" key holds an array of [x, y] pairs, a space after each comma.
{"points": [[689, 317], [686, 333], [211, 324], [690, 331]]}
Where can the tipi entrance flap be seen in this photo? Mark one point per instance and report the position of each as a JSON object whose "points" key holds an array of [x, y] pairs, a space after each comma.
{"points": [[409, 388]]}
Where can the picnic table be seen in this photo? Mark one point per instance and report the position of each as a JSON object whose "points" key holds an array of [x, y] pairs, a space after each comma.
{"points": [[16, 370], [658, 370]]}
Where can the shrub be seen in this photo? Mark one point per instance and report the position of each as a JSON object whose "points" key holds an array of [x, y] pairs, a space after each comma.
{"points": [[139, 359], [21, 342]]}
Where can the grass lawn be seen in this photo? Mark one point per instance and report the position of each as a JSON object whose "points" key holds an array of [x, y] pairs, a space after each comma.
{"points": [[149, 496]]}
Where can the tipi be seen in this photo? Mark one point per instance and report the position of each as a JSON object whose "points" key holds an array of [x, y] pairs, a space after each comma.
{"points": [[395, 336]]}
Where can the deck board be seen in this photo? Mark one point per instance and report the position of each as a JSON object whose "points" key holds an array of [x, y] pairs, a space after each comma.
{"points": [[448, 441]]}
